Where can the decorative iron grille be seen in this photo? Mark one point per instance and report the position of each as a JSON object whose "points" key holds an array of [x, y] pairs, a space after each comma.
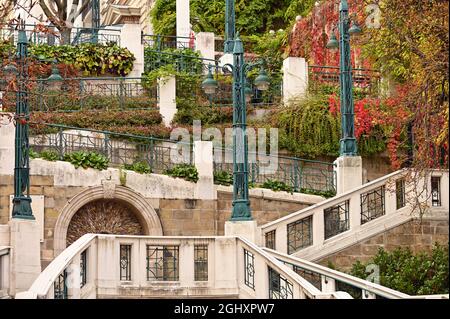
{"points": [[83, 268], [435, 191], [201, 262], [299, 234], [314, 278], [249, 269], [162, 263], [125, 262], [270, 239], [400, 193], [60, 286], [336, 219], [279, 287], [373, 204]]}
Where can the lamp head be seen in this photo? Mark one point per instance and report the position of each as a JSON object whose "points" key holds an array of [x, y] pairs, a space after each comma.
{"points": [[354, 29], [209, 85], [333, 43], [262, 81]]}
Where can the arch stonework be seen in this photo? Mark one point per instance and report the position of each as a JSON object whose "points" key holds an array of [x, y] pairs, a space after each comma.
{"points": [[147, 214]]}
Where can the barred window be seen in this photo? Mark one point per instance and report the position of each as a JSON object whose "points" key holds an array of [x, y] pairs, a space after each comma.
{"points": [[299, 234], [336, 219], [279, 287], [435, 191], [270, 239], [125, 262], [249, 269], [201, 262], [313, 277], [83, 268], [162, 263], [60, 286], [372, 204], [400, 193]]}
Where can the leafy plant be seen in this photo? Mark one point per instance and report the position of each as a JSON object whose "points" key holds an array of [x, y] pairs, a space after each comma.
{"points": [[223, 178], [139, 167], [277, 186], [184, 171], [33, 154], [414, 274], [90, 58], [87, 160], [49, 155]]}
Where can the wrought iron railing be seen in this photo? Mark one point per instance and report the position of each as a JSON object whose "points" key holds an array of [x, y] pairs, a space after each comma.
{"points": [[50, 35], [160, 155], [365, 79], [300, 174], [110, 93], [163, 42]]}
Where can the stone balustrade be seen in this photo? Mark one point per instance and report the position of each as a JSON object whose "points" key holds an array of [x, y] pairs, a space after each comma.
{"points": [[109, 266], [339, 222]]}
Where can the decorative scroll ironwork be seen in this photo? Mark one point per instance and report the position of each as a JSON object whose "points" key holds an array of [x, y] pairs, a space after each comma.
{"points": [[83, 268], [400, 193], [300, 174], [201, 262], [336, 219], [313, 277], [373, 204], [299, 234], [159, 155], [163, 42], [162, 263], [279, 287], [60, 286], [125, 262], [82, 94], [270, 239], [249, 269], [50, 35], [435, 191]]}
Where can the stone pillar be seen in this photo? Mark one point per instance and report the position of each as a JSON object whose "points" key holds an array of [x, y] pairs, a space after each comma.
{"points": [[348, 170], [130, 38], [226, 59], [183, 20], [328, 284], [204, 42], [295, 78], [203, 159], [25, 254], [246, 229], [167, 88], [7, 138]]}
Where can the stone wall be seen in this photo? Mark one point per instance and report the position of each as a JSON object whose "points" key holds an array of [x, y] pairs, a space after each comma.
{"points": [[415, 234]]}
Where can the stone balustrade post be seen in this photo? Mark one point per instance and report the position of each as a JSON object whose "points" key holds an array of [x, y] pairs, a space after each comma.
{"points": [[204, 43], [167, 92], [7, 138], [295, 79], [203, 161], [130, 38], [328, 284]]}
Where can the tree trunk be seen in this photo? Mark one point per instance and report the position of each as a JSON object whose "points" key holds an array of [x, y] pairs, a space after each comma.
{"points": [[65, 35]]}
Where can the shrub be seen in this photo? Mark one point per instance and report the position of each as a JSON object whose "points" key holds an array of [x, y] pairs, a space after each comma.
{"points": [[413, 274], [138, 167], [87, 160], [90, 58], [277, 186], [184, 171], [49, 155], [223, 178]]}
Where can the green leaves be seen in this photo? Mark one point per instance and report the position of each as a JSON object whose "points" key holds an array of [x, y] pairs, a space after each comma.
{"points": [[90, 58], [138, 167], [87, 160], [223, 178], [277, 186], [184, 171]]}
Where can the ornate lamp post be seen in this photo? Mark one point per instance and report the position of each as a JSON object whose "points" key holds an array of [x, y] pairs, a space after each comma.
{"points": [[348, 145], [230, 26], [22, 200], [241, 203]]}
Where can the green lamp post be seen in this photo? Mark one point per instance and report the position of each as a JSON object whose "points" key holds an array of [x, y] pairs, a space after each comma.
{"points": [[348, 145], [241, 95], [230, 26], [22, 200]]}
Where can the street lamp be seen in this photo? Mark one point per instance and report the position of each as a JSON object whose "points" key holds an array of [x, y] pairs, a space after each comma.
{"points": [[22, 200], [348, 145], [241, 94]]}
